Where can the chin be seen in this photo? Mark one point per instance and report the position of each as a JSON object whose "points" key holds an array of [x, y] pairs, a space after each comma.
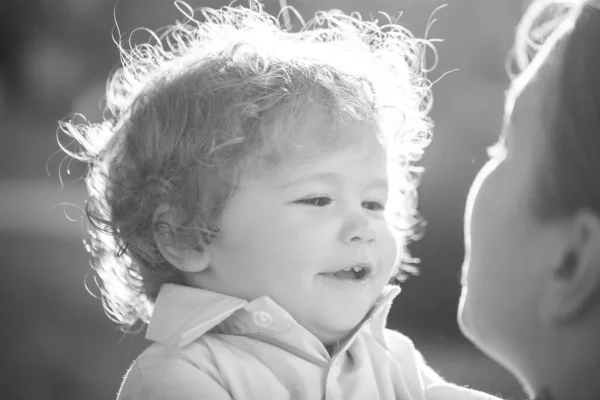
{"points": [[335, 330], [468, 322], [462, 314], [485, 339]]}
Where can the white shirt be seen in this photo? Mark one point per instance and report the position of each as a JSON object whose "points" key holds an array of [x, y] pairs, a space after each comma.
{"points": [[218, 347]]}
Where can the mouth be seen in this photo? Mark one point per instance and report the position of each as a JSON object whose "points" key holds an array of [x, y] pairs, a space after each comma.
{"points": [[356, 273]]}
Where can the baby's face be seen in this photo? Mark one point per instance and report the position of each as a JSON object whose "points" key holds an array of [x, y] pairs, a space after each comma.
{"points": [[296, 233]]}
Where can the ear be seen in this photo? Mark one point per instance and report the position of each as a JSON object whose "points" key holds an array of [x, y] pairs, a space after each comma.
{"points": [[182, 256], [575, 279]]}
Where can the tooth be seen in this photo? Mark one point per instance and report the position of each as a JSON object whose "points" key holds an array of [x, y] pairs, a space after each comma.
{"points": [[348, 269], [357, 269]]}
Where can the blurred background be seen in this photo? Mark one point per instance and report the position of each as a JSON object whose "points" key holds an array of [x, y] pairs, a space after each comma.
{"points": [[54, 59]]}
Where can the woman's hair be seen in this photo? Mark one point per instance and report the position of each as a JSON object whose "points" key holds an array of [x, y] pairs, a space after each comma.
{"points": [[568, 180], [203, 100]]}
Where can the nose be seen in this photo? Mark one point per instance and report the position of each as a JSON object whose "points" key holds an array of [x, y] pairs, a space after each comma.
{"points": [[359, 230]]}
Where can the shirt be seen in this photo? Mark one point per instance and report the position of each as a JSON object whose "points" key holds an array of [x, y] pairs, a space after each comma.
{"points": [[212, 346]]}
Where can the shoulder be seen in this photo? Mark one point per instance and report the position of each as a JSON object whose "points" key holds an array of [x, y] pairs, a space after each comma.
{"points": [[163, 372], [397, 341], [436, 388], [448, 391], [401, 346]]}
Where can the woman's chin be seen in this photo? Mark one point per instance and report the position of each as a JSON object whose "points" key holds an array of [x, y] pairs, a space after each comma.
{"points": [[468, 324], [463, 318]]}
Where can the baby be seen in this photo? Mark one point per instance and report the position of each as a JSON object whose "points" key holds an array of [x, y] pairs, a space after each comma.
{"points": [[251, 198]]}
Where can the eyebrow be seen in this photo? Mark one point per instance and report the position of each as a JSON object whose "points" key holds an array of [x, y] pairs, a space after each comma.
{"points": [[330, 177]]}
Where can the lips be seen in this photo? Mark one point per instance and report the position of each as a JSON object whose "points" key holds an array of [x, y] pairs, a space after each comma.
{"points": [[356, 272]]}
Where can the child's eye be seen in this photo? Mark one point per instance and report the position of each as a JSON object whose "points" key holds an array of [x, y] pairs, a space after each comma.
{"points": [[320, 201], [496, 150], [374, 205]]}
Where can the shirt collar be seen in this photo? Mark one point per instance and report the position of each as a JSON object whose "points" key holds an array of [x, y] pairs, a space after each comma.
{"points": [[182, 314]]}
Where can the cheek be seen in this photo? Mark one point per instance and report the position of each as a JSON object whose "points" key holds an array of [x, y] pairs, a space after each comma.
{"points": [[390, 251], [269, 239], [486, 213], [496, 296], [480, 250]]}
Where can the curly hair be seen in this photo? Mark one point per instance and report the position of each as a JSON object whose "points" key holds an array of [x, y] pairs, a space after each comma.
{"points": [[190, 108], [565, 32]]}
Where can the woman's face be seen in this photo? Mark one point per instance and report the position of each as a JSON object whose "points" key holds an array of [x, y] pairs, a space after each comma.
{"points": [[506, 246]]}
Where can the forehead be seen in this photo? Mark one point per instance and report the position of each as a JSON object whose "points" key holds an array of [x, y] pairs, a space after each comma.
{"points": [[320, 127], [313, 134], [363, 163], [530, 99], [366, 156]]}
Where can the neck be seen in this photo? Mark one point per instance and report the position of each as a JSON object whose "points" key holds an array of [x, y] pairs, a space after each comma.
{"points": [[570, 367]]}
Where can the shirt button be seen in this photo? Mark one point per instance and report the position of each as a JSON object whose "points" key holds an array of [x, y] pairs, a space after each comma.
{"points": [[262, 319]]}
